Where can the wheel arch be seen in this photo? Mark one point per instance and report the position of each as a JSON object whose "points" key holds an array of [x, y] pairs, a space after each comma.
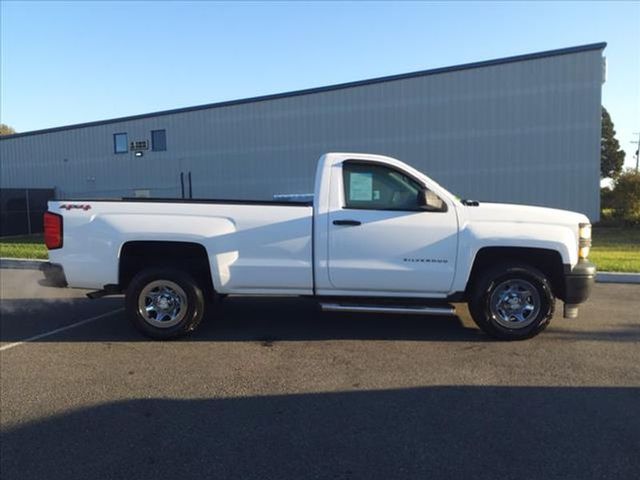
{"points": [[190, 257], [548, 261]]}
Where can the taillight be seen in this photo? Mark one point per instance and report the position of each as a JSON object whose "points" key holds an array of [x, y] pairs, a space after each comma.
{"points": [[52, 230]]}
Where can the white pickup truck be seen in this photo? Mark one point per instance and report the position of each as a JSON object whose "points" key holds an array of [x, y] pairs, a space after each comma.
{"points": [[379, 236]]}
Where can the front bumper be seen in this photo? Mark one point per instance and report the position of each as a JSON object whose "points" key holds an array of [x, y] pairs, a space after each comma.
{"points": [[53, 275], [578, 282]]}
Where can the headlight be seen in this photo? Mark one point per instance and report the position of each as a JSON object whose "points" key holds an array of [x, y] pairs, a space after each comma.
{"points": [[584, 240], [584, 231]]}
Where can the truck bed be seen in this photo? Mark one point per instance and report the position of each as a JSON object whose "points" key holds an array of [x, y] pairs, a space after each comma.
{"points": [[248, 243]]}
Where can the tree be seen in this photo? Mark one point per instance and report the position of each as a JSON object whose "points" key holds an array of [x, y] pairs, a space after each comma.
{"points": [[626, 197], [6, 130], [611, 156]]}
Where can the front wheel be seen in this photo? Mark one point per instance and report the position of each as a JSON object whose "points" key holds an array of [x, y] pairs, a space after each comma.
{"points": [[164, 303], [512, 302]]}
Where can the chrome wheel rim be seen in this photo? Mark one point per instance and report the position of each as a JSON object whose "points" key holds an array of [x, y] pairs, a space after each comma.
{"points": [[515, 303], [162, 303]]}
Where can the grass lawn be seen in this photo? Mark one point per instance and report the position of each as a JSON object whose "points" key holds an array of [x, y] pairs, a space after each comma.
{"points": [[615, 249], [26, 246]]}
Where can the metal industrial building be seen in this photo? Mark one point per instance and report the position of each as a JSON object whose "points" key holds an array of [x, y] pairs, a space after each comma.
{"points": [[522, 129]]}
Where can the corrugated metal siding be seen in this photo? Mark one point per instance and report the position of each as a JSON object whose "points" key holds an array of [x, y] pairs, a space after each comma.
{"points": [[522, 132]]}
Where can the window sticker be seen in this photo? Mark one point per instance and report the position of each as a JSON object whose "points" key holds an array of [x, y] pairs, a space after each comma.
{"points": [[360, 186]]}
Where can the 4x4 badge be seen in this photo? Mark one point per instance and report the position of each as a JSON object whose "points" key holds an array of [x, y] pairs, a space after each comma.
{"points": [[81, 206]]}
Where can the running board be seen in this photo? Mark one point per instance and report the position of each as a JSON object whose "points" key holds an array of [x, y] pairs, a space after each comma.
{"points": [[402, 309]]}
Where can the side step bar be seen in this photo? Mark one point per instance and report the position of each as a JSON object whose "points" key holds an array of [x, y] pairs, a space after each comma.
{"points": [[109, 289], [402, 309]]}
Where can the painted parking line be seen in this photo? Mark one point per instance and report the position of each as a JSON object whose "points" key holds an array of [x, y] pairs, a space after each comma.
{"points": [[61, 329]]}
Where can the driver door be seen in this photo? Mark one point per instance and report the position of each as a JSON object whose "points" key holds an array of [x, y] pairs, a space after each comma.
{"points": [[381, 240]]}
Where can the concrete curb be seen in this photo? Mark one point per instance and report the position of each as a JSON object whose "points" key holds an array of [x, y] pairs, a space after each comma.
{"points": [[21, 263], [602, 277], [617, 277]]}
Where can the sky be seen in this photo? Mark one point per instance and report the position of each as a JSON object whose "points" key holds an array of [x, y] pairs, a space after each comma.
{"points": [[69, 62]]}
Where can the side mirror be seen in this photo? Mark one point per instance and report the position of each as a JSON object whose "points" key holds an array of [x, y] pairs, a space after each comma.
{"points": [[429, 201]]}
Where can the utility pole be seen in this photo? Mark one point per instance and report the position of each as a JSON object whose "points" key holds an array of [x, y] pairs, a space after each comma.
{"points": [[637, 142]]}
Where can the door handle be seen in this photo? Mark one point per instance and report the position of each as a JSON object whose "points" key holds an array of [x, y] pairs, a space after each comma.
{"points": [[351, 223]]}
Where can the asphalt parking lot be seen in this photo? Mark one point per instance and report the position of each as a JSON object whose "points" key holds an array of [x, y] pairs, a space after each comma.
{"points": [[275, 389]]}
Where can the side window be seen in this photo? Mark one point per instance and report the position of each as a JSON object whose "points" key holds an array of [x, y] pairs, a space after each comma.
{"points": [[158, 140], [120, 143], [377, 187]]}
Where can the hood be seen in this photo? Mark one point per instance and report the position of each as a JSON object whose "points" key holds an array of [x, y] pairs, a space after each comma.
{"points": [[504, 212]]}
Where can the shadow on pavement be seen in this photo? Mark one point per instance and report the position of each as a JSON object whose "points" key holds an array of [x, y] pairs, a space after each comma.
{"points": [[264, 320], [234, 319], [430, 432]]}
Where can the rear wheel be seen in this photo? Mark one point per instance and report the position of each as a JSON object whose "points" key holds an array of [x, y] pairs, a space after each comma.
{"points": [[164, 303], [512, 302]]}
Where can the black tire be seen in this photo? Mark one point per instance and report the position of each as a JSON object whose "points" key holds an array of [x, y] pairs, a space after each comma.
{"points": [[491, 315], [188, 298]]}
